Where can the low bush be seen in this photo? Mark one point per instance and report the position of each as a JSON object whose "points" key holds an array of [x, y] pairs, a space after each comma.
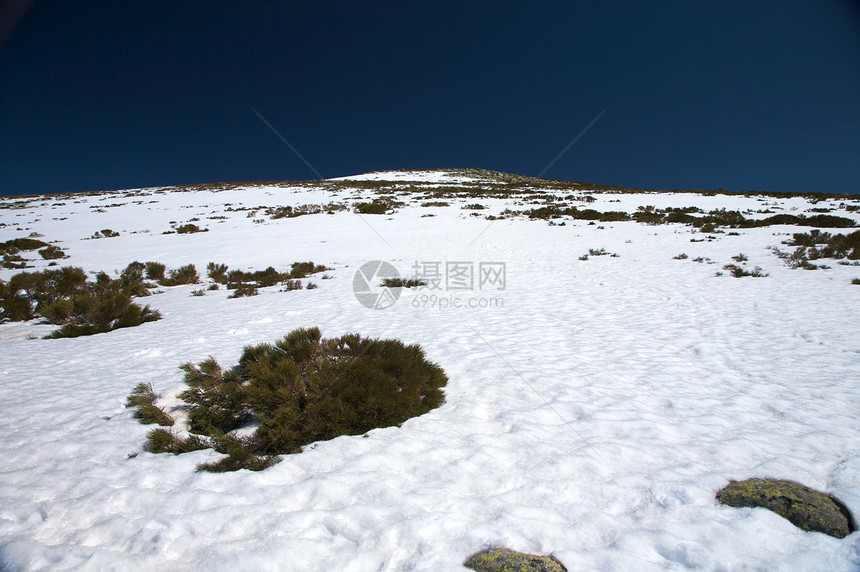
{"points": [[402, 283], [166, 441], [816, 244], [217, 272], [52, 252], [740, 272], [66, 298], [152, 414], [179, 276], [299, 390], [242, 289], [155, 271], [105, 233], [190, 229]]}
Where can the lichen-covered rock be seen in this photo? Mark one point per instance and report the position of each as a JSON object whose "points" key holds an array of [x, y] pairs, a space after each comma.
{"points": [[804, 507], [507, 560]]}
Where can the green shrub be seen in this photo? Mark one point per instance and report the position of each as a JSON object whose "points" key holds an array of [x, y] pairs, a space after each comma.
{"points": [[152, 414], [52, 253], [25, 244], [299, 390], [740, 257], [64, 297], [217, 272], [376, 206], [241, 289], [855, 281], [740, 272], [217, 398], [166, 441], [189, 229], [302, 269], [681, 256], [402, 283], [183, 275], [105, 233], [240, 455], [311, 286], [155, 271]]}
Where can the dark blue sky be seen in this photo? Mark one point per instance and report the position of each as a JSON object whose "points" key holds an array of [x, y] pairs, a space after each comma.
{"points": [[741, 95]]}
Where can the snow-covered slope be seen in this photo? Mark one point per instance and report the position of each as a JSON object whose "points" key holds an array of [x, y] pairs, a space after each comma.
{"points": [[594, 407]]}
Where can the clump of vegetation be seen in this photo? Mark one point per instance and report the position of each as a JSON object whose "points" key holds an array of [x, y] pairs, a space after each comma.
{"points": [[65, 297], [299, 390], [183, 275], [217, 272], [242, 289], [11, 249], [301, 210], [740, 271], [855, 281], [381, 205], [189, 228], [105, 233], [681, 256], [247, 283], [816, 244], [143, 398], [52, 252], [155, 271], [166, 441], [402, 283]]}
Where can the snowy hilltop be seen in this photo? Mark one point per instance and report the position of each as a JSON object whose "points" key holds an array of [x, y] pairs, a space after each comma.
{"points": [[612, 359]]}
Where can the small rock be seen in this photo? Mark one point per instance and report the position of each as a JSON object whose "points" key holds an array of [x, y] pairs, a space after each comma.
{"points": [[804, 507], [507, 560]]}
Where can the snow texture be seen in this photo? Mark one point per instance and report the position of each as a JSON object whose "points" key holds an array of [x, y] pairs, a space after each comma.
{"points": [[592, 415]]}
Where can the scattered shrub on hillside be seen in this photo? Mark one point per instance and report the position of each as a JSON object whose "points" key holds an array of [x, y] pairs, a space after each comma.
{"points": [[740, 272], [143, 398], [855, 281], [183, 275], [155, 271], [217, 272], [52, 252], [816, 244], [65, 297], [681, 256], [302, 269], [290, 285], [740, 257], [311, 286], [16, 244], [402, 283], [380, 205], [105, 233], [243, 289], [298, 390], [166, 441], [190, 229]]}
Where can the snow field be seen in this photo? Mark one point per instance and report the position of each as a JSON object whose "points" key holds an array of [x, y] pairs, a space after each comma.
{"points": [[593, 416]]}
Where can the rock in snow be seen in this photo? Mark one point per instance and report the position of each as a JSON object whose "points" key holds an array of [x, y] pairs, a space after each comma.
{"points": [[507, 560], [806, 508]]}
